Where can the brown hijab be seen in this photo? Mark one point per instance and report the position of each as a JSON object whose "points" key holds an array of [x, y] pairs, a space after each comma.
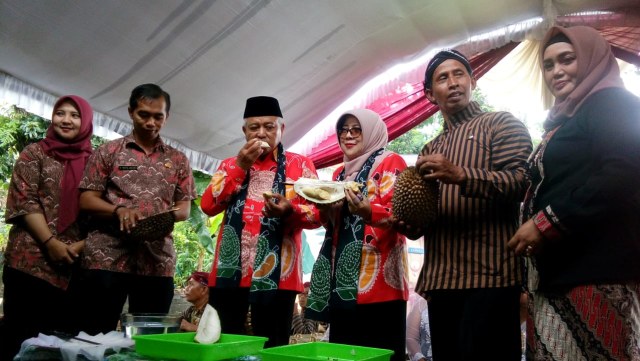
{"points": [[597, 70], [374, 137], [73, 154]]}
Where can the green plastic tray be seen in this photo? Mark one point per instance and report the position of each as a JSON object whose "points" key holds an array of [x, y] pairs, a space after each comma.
{"points": [[326, 352], [181, 346]]}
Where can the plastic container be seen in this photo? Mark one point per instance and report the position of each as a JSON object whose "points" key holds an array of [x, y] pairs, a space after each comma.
{"points": [[181, 346], [149, 323], [325, 351]]}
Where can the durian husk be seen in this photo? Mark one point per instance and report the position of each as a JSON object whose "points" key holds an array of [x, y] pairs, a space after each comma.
{"points": [[415, 200], [153, 227]]}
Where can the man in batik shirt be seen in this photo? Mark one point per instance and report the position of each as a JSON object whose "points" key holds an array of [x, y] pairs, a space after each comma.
{"points": [[472, 280], [258, 255], [126, 180], [197, 293]]}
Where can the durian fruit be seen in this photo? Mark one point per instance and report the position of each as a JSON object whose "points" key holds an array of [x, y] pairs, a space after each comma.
{"points": [[264, 144], [153, 227], [209, 328], [415, 200]]}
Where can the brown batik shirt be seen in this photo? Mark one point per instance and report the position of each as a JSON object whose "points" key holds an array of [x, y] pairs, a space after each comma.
{"points": [[151, 183], [192, 314], [467, 245], [35, 188]]}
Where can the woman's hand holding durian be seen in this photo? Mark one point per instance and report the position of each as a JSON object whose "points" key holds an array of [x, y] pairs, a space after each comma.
{"points": [[358, 204]]}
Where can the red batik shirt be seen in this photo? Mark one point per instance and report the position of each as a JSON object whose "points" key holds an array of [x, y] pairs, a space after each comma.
{"points": [[383, 260], [35, 188], [226, 183], [151, 183]]}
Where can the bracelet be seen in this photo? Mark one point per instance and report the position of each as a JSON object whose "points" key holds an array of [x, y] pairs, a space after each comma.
{"points": [[115, 210], [48, 239]]}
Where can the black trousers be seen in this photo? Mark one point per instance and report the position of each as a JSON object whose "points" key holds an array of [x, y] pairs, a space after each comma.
{"points": [[271, 320], [475, 324], [105, 293], [380, 325], [32, 306]]}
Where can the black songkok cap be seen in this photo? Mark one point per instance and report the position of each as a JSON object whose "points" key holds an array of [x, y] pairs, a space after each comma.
{"points": [[262, 106], [439, 59]]}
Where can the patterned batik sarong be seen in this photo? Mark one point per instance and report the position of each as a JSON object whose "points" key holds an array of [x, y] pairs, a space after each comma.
{"points": [[592, 322]]}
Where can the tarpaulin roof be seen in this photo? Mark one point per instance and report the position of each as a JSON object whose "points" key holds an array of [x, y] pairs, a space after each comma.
{"points": [[211, 55]]}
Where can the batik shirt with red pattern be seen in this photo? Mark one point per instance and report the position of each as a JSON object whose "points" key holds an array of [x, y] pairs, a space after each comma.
{"points": [[383, 260], [226, 183], [35, 188], [151, 183]]}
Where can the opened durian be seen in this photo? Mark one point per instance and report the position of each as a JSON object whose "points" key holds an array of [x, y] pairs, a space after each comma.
{"points": [[415, 200], [209, 328], [323, 192]]}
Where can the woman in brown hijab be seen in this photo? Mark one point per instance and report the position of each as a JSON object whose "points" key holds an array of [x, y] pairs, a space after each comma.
{"points": [[581, 230]]}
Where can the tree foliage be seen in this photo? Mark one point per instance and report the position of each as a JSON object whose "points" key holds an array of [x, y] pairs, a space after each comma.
{"points": [[18, 129], [412, 141]]}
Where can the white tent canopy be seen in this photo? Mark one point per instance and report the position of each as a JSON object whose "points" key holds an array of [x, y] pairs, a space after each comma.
{"points": [[211, 55]]}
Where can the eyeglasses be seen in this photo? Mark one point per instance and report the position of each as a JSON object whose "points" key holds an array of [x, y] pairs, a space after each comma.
{"points": [[355, 131]]}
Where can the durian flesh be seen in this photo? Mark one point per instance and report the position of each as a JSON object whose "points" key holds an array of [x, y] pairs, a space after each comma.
{"points": [[319, 193], [354, 186]]}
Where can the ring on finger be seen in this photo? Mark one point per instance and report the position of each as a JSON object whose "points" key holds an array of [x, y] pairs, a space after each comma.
{"points": [[125, 218], [528, 250]]}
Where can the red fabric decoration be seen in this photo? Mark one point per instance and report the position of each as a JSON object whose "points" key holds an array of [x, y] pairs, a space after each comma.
{"points": [[405, 110]]}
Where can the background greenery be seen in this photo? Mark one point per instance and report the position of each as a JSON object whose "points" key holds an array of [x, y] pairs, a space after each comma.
{"points": [[412, 141]]}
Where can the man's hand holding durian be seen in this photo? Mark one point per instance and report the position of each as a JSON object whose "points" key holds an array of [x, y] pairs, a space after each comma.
{"points": [[438, 167], [250, 152], [276, 205]]}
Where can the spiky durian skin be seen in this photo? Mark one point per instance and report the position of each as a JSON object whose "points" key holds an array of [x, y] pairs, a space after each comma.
{"points": [[415, 201], [152, 228]]}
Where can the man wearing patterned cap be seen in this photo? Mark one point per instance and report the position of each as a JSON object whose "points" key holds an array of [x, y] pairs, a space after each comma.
{"points": [[471, 279], [259, 249], [197, 293]]}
